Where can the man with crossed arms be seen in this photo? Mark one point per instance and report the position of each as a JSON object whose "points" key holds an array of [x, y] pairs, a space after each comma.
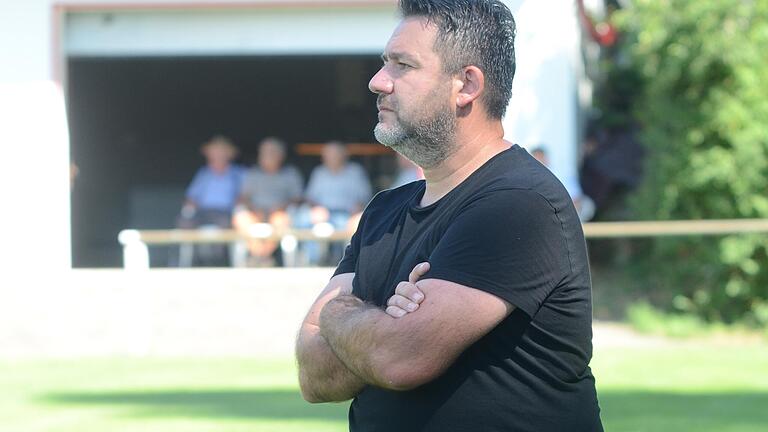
{"points": [[463, 301]]}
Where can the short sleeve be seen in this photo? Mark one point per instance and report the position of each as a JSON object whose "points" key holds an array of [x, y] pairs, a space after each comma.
{"points": [[509, 243], [348, 262], [195, 189]]}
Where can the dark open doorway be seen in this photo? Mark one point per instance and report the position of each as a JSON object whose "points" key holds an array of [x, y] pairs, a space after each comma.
{"points": [[137, 123]]}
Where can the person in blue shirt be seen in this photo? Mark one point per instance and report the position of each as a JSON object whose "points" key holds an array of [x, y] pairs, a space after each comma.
{"points": [[213, 193]]}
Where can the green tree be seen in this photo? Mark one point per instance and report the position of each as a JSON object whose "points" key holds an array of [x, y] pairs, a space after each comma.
{"points": [[703, 108]]}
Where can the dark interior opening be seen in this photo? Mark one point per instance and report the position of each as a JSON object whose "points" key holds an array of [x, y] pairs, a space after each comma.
{"points": [[137, 124]]}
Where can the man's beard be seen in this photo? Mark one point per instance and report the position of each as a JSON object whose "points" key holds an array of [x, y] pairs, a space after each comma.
{"points": [[426, 142]]}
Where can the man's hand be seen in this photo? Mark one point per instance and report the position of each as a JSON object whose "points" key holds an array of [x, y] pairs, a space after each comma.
{"points": [[407, 296], [407, 352]]}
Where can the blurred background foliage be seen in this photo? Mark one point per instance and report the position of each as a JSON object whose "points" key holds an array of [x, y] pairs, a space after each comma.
{"points": [[692, 77]]}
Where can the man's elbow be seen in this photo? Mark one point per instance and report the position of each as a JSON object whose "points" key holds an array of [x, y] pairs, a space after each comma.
{"points": [[406, 376], [311, 393], [316, 394], [310, 396]]}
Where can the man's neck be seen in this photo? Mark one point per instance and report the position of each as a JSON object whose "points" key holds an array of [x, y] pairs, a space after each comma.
{"points": [[474, 150]]}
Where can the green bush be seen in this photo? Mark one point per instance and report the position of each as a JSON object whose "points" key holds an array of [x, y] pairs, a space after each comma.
{"points": [[647, 319], [703, 110]]}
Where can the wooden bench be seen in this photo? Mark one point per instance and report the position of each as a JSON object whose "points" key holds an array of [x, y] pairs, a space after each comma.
{"points": [[353, 149]]}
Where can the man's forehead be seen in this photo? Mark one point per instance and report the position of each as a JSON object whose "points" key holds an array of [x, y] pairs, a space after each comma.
{"points": [[414, 35]]}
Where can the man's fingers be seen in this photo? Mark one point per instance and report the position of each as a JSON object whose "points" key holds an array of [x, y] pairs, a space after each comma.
{"points": [[402, 303], [418, 272], [395, 312], [407, 295], [410, 291]]}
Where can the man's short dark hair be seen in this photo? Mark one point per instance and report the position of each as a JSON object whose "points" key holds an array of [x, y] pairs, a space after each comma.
{"points": [[473, 32]]}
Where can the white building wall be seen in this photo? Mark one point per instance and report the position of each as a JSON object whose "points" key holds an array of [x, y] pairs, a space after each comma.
{"points": [[35, 219], [25, 40], [543, 110], [359, 30]]}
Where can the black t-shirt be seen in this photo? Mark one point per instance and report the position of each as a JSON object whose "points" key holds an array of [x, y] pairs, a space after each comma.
{"points": [[510, 229]]}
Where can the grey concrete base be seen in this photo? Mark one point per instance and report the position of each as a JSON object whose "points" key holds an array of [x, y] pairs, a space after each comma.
{"points": [[172, 312], [176, 312]]}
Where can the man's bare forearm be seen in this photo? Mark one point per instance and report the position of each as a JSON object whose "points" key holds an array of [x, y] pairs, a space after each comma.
{"points": [[360, 336], [322, 376], [402, 351]]}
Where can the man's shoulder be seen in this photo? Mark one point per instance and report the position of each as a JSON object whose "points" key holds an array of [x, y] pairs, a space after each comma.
{"points": [[354, 168], [318, 173], [403, 192], [516, 175], [395, 197], [237, 169], [515, 168], [203, 171]]}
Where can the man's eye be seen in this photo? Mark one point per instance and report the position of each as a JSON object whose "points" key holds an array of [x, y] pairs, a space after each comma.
{"points": [[403, 65]]}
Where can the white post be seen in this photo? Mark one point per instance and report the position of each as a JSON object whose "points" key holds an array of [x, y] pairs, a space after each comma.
{"points": [[135, 251], [289, 245]]}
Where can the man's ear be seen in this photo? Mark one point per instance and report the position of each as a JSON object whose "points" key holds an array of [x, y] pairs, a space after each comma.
{"points": [[471, 82]]}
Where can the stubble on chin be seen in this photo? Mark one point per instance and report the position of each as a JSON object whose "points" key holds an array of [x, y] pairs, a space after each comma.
{"points": [[390, 135], [427, 143]]}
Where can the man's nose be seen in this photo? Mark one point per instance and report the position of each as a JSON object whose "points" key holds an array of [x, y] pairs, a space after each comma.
{"points": [[381, 83]]}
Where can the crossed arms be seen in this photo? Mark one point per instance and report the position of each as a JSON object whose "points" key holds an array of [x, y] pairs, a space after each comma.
{"points": [[345, 344]]}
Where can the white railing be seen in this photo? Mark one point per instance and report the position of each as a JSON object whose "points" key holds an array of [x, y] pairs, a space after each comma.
{"points": [[136, 242]]}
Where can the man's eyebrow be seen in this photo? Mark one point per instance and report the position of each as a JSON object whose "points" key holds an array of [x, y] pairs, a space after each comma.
{"points": [[395, 55]]}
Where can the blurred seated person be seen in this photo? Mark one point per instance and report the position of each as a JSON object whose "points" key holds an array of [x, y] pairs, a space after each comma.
{"points": [[338, 190], [212, 195], [407, 172], [336, 194], [585, 207], [214, 190], [269, 190]]}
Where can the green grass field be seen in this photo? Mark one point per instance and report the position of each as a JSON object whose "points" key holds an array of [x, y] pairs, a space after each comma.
{"points": [[658, 389]]}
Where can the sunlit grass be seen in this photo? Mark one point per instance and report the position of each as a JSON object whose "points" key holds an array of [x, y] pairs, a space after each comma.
{"points": [[686, 388]]}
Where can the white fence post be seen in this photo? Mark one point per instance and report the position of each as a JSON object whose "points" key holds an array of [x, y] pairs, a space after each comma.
{"points": [[135, 251]]}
